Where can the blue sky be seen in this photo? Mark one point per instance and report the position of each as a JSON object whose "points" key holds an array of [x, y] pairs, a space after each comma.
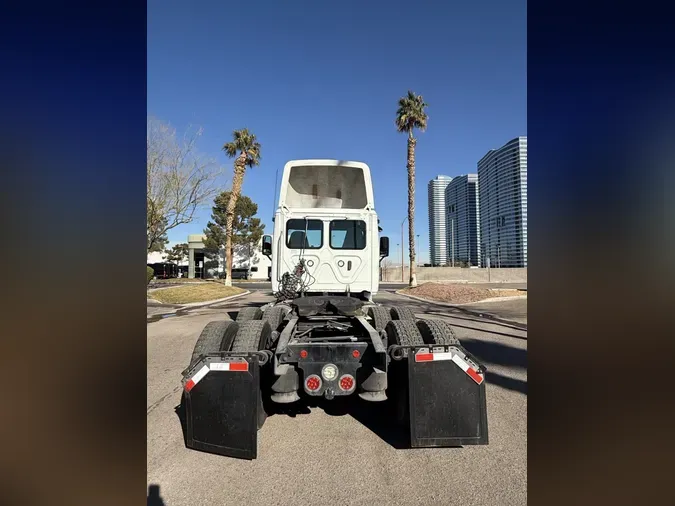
{"points": [[316, 79]]}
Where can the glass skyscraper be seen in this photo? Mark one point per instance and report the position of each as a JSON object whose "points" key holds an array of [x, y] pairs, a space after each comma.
{"points": [[438, 253], [502, 191], [462, 221]]}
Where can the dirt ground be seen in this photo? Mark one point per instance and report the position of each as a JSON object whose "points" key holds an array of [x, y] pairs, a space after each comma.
{"points": [[458, 293]]}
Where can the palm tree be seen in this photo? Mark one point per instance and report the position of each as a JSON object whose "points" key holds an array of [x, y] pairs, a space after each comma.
{"points": [[245, 149], [411, 115]]}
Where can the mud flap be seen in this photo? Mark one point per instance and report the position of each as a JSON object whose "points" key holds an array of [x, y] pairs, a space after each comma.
{"points": [[446, 398], [221, 405]]}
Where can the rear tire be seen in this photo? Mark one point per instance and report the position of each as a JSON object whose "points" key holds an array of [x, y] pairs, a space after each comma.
{"points": [[404, 333], [380, 316], [249, 313], [437, 332], [254, 335], [275, 315], [402, 313], [216, 336]]}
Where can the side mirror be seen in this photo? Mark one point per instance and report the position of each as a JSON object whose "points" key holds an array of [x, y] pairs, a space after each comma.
{"points": [[384, 246], [267, 245]]}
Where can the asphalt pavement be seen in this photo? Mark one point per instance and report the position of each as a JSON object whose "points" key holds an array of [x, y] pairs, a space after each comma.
{"points": [[330, 453]]}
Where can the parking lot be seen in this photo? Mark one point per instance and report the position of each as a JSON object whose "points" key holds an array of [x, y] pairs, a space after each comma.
{"points": [[346, 453]]}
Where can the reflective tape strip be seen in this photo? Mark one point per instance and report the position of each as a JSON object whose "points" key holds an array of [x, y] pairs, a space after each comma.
{"points": [[478, 378], [196, 378], [229, 366], [428, 357], [446, 355]]}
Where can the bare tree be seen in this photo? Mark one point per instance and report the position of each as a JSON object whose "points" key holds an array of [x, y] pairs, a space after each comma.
{"points": [[180, 179], [385, 266]]}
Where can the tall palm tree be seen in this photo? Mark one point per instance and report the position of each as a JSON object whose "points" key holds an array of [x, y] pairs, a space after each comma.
{"points": [[411, 115], [245, 150]]}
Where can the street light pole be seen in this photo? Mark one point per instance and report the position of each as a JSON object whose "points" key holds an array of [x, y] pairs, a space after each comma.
{"points": [[452, 228], [398, 246], [402, 248], [418, 250]]}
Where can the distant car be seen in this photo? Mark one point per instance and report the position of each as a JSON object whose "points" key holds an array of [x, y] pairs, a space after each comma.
{"points": [[236, 274]]}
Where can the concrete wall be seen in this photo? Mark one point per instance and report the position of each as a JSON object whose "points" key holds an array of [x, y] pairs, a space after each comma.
{"points": [[510, 275]]}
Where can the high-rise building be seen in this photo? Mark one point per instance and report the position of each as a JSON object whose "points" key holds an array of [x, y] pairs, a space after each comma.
{"points": [[502, 190], [462, 222], [438, 254]]}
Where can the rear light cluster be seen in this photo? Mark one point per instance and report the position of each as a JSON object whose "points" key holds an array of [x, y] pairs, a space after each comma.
{"points": [[313, 383], [347, 382]]}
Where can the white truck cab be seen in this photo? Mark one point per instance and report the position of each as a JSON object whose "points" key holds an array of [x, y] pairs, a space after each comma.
{"points": [[326, 216]]}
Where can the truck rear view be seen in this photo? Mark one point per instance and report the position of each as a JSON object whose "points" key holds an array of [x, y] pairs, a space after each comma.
{"points": [[324, 336], [326, 217]]}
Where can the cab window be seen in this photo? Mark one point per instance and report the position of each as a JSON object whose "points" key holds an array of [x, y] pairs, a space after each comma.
{"points": [[348, 234], [304, 234]]}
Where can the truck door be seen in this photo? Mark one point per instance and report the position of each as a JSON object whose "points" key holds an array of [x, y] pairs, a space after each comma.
{"points": [[348, 241]]}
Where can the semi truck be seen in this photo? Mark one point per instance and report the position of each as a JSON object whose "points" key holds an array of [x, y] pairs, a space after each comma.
{"points": [[324, 335]]}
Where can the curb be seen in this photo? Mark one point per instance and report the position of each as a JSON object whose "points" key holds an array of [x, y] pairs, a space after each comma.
{"points": [[174, 308], [448, 304], [215, 301], [177, 285]]}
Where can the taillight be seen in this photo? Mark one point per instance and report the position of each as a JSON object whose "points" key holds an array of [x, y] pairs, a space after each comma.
{"points": [[356, 353], [303, 354], [347, 382], [313, 383]]}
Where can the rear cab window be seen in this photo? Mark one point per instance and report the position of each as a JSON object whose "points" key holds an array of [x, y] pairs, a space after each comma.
{"points": [[348, 234], [304, 234]]}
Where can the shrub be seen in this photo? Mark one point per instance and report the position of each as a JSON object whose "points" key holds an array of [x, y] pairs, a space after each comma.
{"points": [[151, 274]]}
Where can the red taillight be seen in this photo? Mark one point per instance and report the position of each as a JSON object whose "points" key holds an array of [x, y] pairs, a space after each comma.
{"points": [[356, 353], [313, 383], [303, 354], [347, 382]]}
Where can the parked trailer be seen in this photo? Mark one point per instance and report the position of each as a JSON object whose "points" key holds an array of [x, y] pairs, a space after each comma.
{"points": [[324, 336]]}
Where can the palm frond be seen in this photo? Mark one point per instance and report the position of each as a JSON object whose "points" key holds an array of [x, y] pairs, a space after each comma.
{"points": [[244, 141], [411, 114]]}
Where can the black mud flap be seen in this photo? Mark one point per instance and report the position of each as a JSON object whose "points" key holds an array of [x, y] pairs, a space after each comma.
{"points": [[446, 398], [221, 405]]}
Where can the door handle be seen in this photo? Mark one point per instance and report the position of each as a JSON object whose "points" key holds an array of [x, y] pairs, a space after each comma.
{"points": [[349, 265]]}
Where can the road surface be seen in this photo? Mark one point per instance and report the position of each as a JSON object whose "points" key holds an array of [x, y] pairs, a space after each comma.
{"points": [[330, 455]]}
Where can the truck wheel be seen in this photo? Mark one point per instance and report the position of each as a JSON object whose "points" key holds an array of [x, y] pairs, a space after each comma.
{"points": [[216, 336], [403, 332], [275, 315], [380, 316], [437, 332], [402, 313], [254, 335], [249, 313]]}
